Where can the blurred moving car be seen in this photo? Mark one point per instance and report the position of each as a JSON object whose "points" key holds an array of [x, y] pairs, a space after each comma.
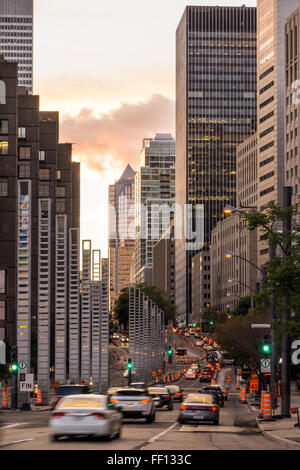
{"points": [[215, 390], [78, 415], [139, 385], [190, 374], [68, 389], [199, 407], [161, 397], [205, 375], [176, 393], [134, 403]]}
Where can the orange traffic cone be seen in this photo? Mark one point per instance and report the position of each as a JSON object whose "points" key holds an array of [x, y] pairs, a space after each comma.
{"points": [[5, 397], [38, 397]]}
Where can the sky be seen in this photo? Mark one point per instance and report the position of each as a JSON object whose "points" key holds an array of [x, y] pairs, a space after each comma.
{"points": [[108, 67]]}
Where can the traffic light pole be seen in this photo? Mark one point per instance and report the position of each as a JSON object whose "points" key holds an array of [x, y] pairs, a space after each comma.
{"points": [[14, 379], [286, 352]]}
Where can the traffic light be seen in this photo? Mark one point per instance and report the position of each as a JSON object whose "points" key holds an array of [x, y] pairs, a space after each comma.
{"points": [[170, 351], [266, 346], [211, 322], [129, 364], [14, 366], [194, 325]]}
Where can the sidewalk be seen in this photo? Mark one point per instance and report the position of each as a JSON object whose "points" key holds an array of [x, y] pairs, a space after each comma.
{"points": [[282, 430]]}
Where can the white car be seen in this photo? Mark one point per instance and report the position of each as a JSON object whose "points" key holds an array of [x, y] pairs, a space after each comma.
{"points": [[191, 374], [77, 415], [134, 403]]}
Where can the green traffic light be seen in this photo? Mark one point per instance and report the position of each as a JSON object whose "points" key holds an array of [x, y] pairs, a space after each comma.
{"points": [[211, 322], [14, 367], [129, 365], [266, 348]]}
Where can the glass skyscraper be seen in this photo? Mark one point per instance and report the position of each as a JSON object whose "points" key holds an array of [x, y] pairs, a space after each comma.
{"points": [[215, 112], [16, 37]]}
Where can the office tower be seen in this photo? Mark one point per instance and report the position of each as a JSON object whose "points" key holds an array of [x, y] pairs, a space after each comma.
{"points": [[215, 111], [16, 37], [121, 232], [273, 113], [233, 247], [163, 264], [292, 134], [39, 275], [154, 201]]}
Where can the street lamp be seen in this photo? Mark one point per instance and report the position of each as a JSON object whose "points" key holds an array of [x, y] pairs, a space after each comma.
{"points": [[231, 279]]}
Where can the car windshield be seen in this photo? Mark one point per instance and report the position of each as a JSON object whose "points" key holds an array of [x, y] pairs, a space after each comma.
{"points": [[69, 390], [130, 392], [203, 398], [158, 391], [82, 402], [173, 388]]}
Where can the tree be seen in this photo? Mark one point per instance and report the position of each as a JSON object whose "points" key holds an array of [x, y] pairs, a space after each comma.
{"points": [[243, 306], [158, 296]]}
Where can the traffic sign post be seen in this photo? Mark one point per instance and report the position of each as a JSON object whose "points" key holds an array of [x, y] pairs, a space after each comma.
{"points": [[265, 366], [26, 382]]}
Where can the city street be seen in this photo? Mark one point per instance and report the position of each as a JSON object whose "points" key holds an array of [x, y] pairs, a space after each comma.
{"points": [[237, 430]]}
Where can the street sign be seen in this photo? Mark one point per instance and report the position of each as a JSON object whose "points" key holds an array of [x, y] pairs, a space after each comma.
{"points": [[229, 379], [22, 365], [26, 382], [260, 325], [265, 365]]}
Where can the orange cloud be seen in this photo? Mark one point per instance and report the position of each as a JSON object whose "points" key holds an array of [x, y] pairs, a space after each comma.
{"points": [[112, 140]]}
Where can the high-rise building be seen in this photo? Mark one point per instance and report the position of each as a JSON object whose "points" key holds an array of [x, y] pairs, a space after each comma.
{"points": [[163, 264], [39, 234], [121, 232], [215, 111], [16, 37], [275, 46], [154, 200], [292, 133]]}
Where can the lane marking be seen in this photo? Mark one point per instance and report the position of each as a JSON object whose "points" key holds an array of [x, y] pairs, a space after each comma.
{"points": [[17, 442], [8, 426], [162, 433]]}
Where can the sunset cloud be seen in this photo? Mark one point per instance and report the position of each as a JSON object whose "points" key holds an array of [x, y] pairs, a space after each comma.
{"points": [[108, 142]]}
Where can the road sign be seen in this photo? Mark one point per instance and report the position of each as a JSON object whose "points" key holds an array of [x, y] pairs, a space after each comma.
{"points": [[260, 325], [229, 379], [26, 382], [265, 365], [22, 365]]}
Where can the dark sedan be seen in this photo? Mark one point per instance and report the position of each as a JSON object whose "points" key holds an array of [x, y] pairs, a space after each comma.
{"points": [[217, 394], [199, 407], [205, 375], [161, 396]]}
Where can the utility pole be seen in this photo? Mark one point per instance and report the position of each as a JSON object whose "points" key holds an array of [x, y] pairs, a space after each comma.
{"points": [[273, 375], [286, 351]]}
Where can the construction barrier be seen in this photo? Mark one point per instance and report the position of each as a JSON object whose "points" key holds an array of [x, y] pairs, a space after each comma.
{"points": [[261, 411], [237, 384], [5, 397], [164, 379], [38, 397], [243, 395], [267, 406]]}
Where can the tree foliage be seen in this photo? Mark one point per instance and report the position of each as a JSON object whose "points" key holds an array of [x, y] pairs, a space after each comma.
{"points": [[158, 296]]}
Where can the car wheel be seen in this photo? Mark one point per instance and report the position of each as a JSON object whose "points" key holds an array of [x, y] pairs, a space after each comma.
{"points": [[149, 419], [54, 437], [118, 435], [170, 407], [216, 422], [181, 421]]}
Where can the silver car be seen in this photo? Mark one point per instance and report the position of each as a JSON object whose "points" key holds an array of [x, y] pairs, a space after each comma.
{"points": [[134, 403], [199, 407], [91, 415]]}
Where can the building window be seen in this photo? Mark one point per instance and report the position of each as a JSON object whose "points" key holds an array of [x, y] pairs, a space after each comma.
{"points": [[2, 310], [58, 175], [61, 191], [24, 171], [22, 132], [2, 281], [60, 206], [42, 156], [44, 190], [3, 126], [24, 153], [44, 173], [2, 92], [3, 147], [3, 187]]}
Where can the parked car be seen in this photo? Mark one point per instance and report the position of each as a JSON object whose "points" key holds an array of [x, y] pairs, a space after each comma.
{"points": [[215, 389], [161, 397], [199, 407], [68, 389], [134, 403], [77, 415], [176, 392]]}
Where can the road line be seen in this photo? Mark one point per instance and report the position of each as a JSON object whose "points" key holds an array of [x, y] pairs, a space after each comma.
{"points": [[17, 442], [162, 433], [8, 426]]}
